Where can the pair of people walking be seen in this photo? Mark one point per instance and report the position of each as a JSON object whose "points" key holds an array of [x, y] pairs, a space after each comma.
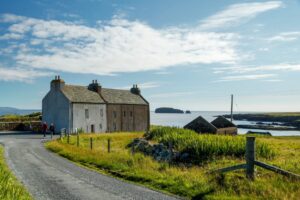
{"points": [[45, 128]]}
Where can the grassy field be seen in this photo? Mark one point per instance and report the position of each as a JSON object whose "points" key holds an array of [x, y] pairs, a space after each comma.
{"points": [[10, 188], [193, 181], [21, 118]]}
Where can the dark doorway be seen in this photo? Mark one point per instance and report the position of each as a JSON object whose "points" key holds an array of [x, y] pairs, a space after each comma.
{"points": [[92, 128]]}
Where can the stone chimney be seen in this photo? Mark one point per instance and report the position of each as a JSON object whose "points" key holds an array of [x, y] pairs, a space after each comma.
{"points": [[135, 90], [57, 83], [95, 86]]}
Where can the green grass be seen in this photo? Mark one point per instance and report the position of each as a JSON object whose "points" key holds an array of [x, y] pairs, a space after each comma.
{"points": [[203, 147], [21, 118], [10, 188], [191, 181]]}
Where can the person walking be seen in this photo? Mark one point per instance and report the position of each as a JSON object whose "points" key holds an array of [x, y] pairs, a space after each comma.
{"points": [[52, 129], [44, 128]]}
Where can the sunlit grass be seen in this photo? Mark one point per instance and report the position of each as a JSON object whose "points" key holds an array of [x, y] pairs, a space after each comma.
{"points": [[187, 181], [10, 188]]}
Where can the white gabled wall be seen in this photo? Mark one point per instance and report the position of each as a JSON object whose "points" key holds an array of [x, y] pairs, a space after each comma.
{"points": [[95, 118], [55, 109]]}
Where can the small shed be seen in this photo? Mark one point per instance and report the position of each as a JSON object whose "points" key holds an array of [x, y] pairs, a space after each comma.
{"points": [[200, 125], [224, 126], [218, 126]]}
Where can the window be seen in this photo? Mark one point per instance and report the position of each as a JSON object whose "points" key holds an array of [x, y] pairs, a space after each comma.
{"points": [[115, 114], [100, 126], [124, 113], [101, 112], [130, 113], [86, 113]]}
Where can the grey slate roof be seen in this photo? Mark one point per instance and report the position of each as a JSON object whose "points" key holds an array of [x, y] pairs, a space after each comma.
{"points": [[222, 122], [81, 94], [116, 96], [200, 125]]}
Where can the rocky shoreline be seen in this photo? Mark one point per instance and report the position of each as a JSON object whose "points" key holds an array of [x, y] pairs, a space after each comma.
{"points": [[276, 121]]}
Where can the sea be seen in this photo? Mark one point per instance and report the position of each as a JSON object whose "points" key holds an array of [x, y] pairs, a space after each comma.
{"points": [[179, 120]]}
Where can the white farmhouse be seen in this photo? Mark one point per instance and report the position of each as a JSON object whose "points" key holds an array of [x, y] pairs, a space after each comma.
{"points": [[95, 109]]}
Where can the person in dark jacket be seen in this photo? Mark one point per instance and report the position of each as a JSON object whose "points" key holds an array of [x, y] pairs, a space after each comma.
{"points": [[52, 128], [44, 128]]}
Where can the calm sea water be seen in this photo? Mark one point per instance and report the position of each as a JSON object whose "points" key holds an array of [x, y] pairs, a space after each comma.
{"points": [[179, 120]]}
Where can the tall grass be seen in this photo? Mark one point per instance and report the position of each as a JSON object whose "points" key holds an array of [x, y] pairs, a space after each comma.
{"points": [[193, 181], [10, 188], [206, 146]]}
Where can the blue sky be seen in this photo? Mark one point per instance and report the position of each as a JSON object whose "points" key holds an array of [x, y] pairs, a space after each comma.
{"points": [[183, 54]]}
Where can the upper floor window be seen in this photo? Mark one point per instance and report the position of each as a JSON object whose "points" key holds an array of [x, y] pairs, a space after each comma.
{"points": [[86, 113], [101, 112], [124, 113], [115, 114]]}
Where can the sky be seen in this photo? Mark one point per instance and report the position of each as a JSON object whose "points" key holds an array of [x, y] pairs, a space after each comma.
{"points": [[190, 55]]}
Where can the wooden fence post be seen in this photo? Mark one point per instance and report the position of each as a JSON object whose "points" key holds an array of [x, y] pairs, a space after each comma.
{"points": [[108, 145], [91, 143], [77, 139], [250, 157], [132, 149], [171, 152], [68, 138]]}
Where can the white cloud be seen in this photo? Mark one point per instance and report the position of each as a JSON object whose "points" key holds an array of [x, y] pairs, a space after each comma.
{"points": [[146, 85], [20, 74], [238, 13], [171, 94], [116, 46], [285, 37], [247, 69], [246, 77]]}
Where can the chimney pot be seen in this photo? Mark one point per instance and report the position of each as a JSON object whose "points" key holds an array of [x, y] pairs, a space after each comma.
{"points": [[58, 77]]}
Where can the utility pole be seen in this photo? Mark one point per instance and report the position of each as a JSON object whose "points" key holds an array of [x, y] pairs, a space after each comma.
{"points": [[231, 107]]}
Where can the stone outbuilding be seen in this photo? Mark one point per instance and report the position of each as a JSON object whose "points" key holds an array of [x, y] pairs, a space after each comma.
{"points": [[95, 109], [218, 126]]}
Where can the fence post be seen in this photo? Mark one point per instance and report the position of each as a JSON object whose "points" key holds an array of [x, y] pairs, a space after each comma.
{"points": [[108, 145], [60, 134], [77, 139], [91, 143], [68, 138], [132, 149], [250, 157]]}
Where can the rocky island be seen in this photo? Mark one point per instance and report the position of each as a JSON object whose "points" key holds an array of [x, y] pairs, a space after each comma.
{"points": [[168, 110]]}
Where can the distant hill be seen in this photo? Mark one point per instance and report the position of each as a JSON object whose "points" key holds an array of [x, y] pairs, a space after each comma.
{"points": [[168, 110], [16, 111]]}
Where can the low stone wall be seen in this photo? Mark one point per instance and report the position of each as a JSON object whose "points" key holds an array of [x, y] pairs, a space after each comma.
{"points": [[227, 131], [20, 126]]}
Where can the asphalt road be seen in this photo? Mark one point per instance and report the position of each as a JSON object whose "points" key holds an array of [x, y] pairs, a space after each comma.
{"points": [[48, 176]]}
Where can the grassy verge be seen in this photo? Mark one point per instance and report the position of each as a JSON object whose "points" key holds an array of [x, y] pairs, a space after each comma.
{"points": [[191, 182], [10, 188]]}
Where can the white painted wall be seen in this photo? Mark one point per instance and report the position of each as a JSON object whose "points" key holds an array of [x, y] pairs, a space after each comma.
{"points": [[56, 109], [95, 117]]}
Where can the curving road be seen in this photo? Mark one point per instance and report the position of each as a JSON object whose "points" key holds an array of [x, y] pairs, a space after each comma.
{"points": [[48, 176]]}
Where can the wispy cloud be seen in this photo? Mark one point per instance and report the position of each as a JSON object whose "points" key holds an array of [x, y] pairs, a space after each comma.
{"points": [[237, 13], [285, 37], [248, 69], [20, 74], [118, 45], [171, 94], [246, 77], [146, 85]]}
